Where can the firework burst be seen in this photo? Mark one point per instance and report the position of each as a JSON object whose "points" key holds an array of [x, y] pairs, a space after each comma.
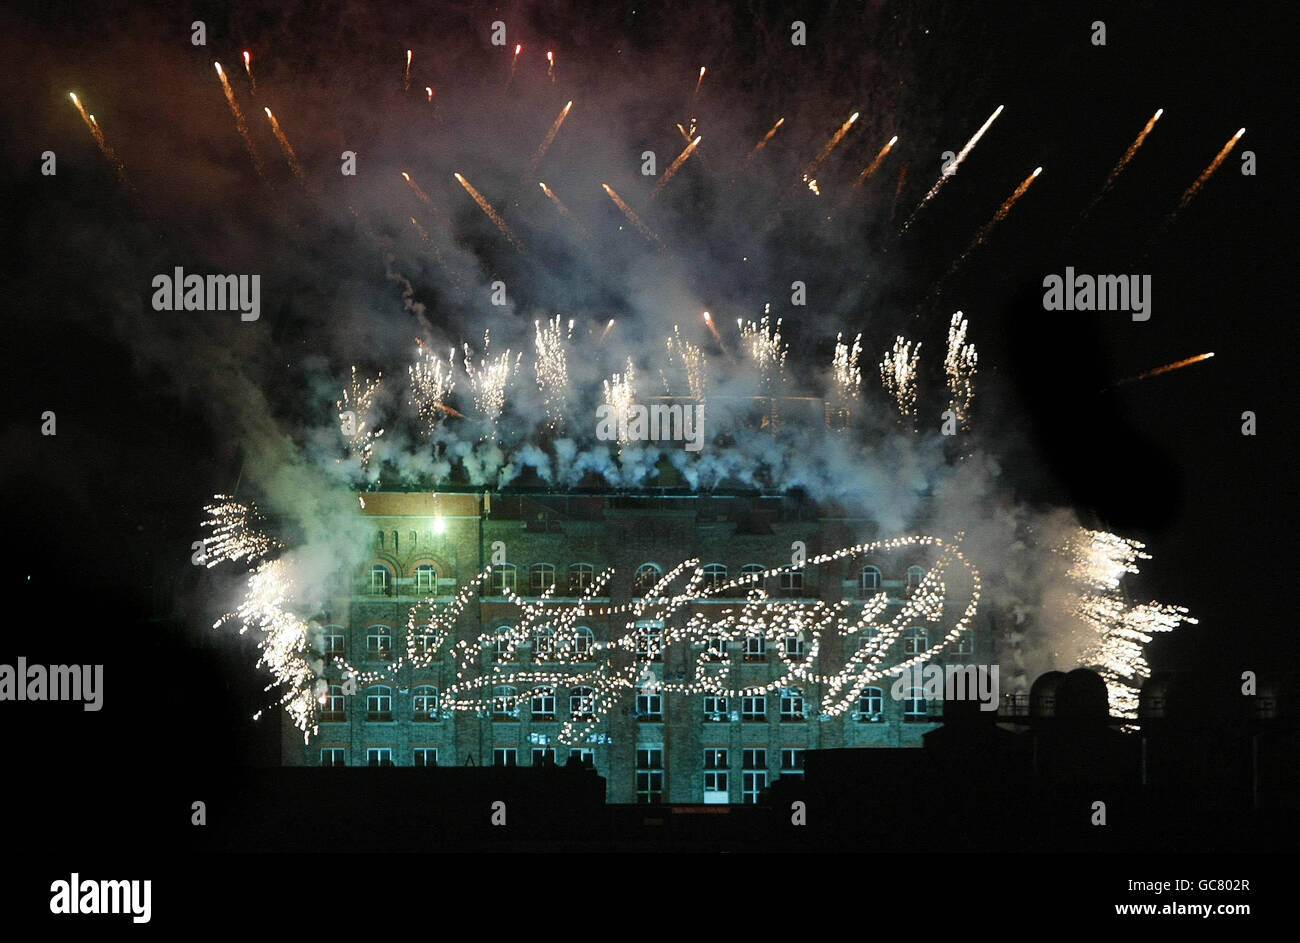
{"points": [[432, 381], [490, 380], [898, 375], [552, 367], [356, 410], [959, 366]]}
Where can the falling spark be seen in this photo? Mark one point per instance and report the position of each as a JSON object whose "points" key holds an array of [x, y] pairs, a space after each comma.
{"points": [[428, 90], [1167, 368], [550, 137], [708, 320], [109, 154], [240, 123], [519, 47], [490, 380], [698, 82], [1123, 161], [960, 365], [289, 155], [608, 325], [952, 168], [486, 207], [620, 392], [1000, 215], [248, 67], [406, 81], [432, 381], [675, 166], [552, 367], [355, 412], [236, 533], [1209, 171], [424, 233], [693, 365], [641, 227], [767, 137], [898, 374], [564, 211], [871, 167], [830, 146]]}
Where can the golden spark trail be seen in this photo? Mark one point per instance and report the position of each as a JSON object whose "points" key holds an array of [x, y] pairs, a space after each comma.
{"points": [[519, 47], [564, 211], [428, 90], [698, 82], [1132, 149], [422, 231], [952, 168], [240, 123], [871, 167], [708, 320], [109, 154], [641, 227], [550, 67], [675, 166], [285, 146], [248, 67], [406, 82], [550, 137], [486, 207], [1209, 171], [987, 228], [1167, 368], [609, 325], [830, 146], [424, 197], [767, 137]]}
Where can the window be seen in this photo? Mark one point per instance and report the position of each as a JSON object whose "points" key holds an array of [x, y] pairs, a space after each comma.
{"points": [[792, 704], [716, 776], [869, 581], [584, 642], [394, 541], [502, 650], [753, 778], [413, 537], [424, 756], [544, 756], [379, 704], [753, 707], [332, 706], [541, 577], [426, 578], [647, 575], [379, 540], [792, 581], [543, 703], [543, 639], [505, 703], [650, 706], [871, 705], [505, 756], [915, 641], [649, 641], [585, 755], [334, 641], [755, 648], [582, 576], [715, 574], [424, 703], [754, 571], [381, 577], [794, 645], [503, 579], [379, 756], [715, 707], [914, 576], [333, 756], [915, 710], [649, 774], [582, 703], [379, 643], [717, 647], [965, 641], [792, 762], [426, 640]]}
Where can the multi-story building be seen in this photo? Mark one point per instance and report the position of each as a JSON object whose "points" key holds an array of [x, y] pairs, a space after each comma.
{"points": [[651, 745]]}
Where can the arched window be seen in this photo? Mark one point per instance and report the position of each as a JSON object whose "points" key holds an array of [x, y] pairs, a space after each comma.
{"points": [[869, 581], [582, 576], [426, 640], [413, 538], [792, 581], [754, 570], [501, 648], [379, 643], [503, 578], [916, 640], [379, 540], [505, 702], [334, 640], [871, 705], [647, 575], [914, 576], [379, 703], [381, 578], [543, 703], [792, 704], [650, 640], [543, 643], [426, 578], [424, 703], [394, 541], [915, 708], [582, 703], [584, 641], [541, 577], [715, 574]]}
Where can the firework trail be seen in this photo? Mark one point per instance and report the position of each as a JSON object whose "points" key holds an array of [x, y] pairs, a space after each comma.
{"points": [[550, 137], [285, 146], [552, 367], [428, 90], [1123, 161], [698, 82], [424, 233], [952, 168], [608, 325], [490, 380], [486, 207], [550, 67], [675, 166], [1208, 172], [898, 375], [959, 366], [564, 211], [514, 60], [694, 367], [355, 412], [708, 321], [406, 80], [248, 68], [1167, 368], [1000, 215], [871, 167], [236, 533], [240, 123], [109, 154], [898, 189], [830, 146], [431, 383], [847, 378], [767, 137], [620, 392], [641, 227]]}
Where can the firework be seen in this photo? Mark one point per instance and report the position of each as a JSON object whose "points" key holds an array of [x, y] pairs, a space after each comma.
{"points": [[1123, 161], [550, 137], [240, 123], [767, 137], [698, 82], [98, 135], [847, 378], [406, 80], [552, 367], [608, 325], [641, 227], [428, 91], [285, 146], [959, 366], [514, 60], [432, 381], [492, 214], [550, 67], [871, 167], [1208, 172], [898, 375], [694, 367], [829, 146], [620, 393], [675, 166], [1000, 215], [236, 532], [762, 342], [490, 380], [953, 167], [1167, 368], [355, 414], [564, 211]]}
